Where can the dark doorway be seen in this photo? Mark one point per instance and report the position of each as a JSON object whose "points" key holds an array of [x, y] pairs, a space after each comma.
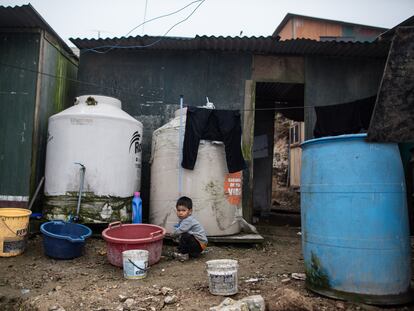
{"points": [[285, 102]]}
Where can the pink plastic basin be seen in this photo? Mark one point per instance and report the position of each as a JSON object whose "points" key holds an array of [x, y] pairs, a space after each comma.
{"points": [[122, 237]]}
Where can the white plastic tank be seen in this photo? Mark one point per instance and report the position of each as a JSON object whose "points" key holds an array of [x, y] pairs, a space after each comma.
{"points": [[107, 141], [207, 185]]}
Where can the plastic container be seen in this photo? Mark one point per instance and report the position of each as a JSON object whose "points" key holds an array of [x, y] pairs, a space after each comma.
{"points": [[122, 237], [135, 263], [14, 223], [216, 204], [137, 209], [355, 236], [95, 125], [222, 276], [64, 240]]}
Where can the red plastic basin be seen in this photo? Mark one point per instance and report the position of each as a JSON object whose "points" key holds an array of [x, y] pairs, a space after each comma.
{"points": [[122, 237]]}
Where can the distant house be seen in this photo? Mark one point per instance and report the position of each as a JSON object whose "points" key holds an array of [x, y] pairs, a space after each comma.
{"points": [[295, 26], [37, 70]]}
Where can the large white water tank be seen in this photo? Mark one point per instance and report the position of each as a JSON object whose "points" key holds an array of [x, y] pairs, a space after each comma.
{"points": [[205, 185], [107, 141]]}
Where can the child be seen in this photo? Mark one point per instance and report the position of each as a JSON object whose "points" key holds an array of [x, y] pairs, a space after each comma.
{"points": [[189, 232]]}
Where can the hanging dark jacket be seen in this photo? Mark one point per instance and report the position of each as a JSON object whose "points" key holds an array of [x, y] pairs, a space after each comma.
{"points": [[213, 124]]}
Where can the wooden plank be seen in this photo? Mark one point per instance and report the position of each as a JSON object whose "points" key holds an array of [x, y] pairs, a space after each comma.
{"points": [[247, 238], [237, 238]]}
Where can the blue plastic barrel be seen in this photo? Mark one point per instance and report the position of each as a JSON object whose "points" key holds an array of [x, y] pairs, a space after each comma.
{"points": [[64, 240], [355, 234]]}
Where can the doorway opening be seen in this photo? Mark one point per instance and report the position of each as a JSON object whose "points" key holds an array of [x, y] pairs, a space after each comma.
{"points": [[278, 132]]}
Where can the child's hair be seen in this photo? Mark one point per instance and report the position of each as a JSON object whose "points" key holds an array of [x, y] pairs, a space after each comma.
{"points": [[185, 201]]}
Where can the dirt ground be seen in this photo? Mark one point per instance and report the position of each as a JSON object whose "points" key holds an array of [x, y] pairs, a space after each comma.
{"points": [[32, 281]]}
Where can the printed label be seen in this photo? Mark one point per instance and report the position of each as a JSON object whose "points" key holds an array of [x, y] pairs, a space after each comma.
{"points": [[77, 121], [14, 246], [135, 268], [223, 282], [135, 143], [233, 187]]}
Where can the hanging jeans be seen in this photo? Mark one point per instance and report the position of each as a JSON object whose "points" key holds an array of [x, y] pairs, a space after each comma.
{"points": [[211, 124]]}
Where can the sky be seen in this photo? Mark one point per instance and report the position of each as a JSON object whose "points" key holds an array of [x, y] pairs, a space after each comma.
{"points": [[116, 18]]}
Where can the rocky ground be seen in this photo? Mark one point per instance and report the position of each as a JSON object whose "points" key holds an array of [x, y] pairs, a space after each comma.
{"points": [[34, 282]]}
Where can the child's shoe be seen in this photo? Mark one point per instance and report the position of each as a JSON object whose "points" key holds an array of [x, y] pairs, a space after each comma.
{"points": [[181, 257]]}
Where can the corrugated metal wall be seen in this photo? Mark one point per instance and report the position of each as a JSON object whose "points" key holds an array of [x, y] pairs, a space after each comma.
{"points": [[56, 94], [27, 99], [149, 84], [17, 104], [331, 81]]}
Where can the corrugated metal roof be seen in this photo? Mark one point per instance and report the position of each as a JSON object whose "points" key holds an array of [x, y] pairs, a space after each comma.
{"points": [[254, 45], [26, 16]]}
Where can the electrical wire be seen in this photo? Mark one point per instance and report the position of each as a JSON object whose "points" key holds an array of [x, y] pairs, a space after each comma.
{"points": [[118, 46], [145, 16], [129, 92]]}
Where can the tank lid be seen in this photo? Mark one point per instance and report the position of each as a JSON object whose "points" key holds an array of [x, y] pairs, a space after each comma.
{"points": [[92, 100], [333, 138]]}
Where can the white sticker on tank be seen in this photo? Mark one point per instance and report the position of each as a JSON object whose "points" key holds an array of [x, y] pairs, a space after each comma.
{"points": [[78, 121]]}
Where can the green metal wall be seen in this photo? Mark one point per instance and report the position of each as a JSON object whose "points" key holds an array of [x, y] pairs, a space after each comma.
{"points": [[57, 92], [17, 103], [27, 99]]}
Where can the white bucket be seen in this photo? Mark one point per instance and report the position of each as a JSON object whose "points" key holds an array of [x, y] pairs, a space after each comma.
{"points": [[222, 274], [135, 262]]}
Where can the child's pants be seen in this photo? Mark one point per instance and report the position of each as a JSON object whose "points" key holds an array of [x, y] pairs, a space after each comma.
{"points": [[188, 244]]}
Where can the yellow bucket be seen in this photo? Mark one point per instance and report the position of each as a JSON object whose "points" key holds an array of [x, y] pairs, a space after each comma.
{"points": [[14, 223]]}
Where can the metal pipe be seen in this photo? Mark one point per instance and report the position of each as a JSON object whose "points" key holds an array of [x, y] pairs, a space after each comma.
{"points": [[180, 148], [36, 192], [82, 178], [288, 167]]}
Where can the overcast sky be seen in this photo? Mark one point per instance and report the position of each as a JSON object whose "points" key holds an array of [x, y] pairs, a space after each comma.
{"points": [[115, 18]]}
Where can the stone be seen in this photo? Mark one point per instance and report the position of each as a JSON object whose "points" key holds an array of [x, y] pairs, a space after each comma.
{"points": [[298, 276], [122, 298], [255, 303], [340, 305], [170, 299], [225, 303], [166, 290], [251, 303], [129, 302]]}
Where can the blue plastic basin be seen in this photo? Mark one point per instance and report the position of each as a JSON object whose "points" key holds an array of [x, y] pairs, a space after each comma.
{"points": [[64, 240]]}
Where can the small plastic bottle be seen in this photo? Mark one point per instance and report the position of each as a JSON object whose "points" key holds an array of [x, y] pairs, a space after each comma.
{"points": [[136, 209]]}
